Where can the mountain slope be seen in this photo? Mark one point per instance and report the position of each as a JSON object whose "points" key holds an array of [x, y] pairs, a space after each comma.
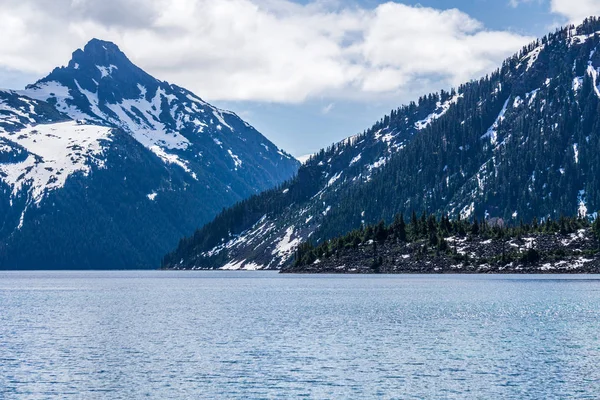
{"points": [[104, 166], [519, 143], [262, 231], [100, 85]]}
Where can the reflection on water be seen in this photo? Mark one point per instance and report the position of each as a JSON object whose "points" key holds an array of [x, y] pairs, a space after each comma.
{"points": [[263, 335]]}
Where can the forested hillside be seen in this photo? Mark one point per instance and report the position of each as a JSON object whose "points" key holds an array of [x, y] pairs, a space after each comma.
{"points": [[520, 143]]}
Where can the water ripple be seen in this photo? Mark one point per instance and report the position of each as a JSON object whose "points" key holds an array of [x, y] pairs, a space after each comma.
{"points": [[128, 335]]}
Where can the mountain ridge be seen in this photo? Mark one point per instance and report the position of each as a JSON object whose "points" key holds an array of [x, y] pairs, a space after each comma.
{"points": [[518, 143]]}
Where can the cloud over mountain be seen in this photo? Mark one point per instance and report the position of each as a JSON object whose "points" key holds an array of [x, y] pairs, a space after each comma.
{"points": [[572, 10], [576, 10], [264, 50]]}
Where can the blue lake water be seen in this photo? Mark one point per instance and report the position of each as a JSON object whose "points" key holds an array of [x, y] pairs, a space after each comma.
{"points": [[263, 335]]}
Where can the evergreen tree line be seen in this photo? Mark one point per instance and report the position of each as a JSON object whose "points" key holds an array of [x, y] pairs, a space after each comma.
{"points": [[543, 163], [433, 232]]}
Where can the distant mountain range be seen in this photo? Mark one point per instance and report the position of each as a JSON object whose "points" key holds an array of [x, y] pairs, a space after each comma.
{"points": [[104, 166], [520, 143]]}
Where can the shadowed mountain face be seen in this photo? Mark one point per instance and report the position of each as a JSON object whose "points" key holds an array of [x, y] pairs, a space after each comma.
{"points": [[104, 166], [523, 142]]}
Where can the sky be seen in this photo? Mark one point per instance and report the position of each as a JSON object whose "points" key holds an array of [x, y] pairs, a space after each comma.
{"points": [[305, 73]]}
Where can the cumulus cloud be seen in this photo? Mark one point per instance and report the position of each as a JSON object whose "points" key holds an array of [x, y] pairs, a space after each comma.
{"points": [[576, 10], [263, 50], [573, 11]]}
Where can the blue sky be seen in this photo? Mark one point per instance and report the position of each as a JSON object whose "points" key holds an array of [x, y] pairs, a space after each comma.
{"points": [[306, 73], [305, 128]]}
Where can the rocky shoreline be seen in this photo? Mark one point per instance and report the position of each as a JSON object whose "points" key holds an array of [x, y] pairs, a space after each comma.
{"points": [[544, 253]]}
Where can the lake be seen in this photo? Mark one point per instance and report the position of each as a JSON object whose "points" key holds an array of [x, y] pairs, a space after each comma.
{"points": [[263, 335]]}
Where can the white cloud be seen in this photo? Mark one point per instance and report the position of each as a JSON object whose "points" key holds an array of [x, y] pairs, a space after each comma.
{"points": [[576, 10], [516, 3], [327, 109], [263, 50]]}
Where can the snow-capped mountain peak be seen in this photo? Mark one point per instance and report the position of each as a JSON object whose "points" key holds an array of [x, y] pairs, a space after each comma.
{"points": [[100, 85], [140, 160]]}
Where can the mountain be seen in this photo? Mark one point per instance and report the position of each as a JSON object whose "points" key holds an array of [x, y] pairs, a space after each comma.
{"points": [[104, 166], [519, 143]]}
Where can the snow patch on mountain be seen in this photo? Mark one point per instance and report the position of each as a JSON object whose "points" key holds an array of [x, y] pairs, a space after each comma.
{"points": [[467, 211], [172, 159], [235, 265], [441, 109], [492, 132], [260, 228], [286, 246], [582, 210], [56, 151], [518, 101], [593, 73], [57, 94], [377, 164], [531, 96], [14, 116], [106, 71], [532, 56], [236, 160], [334, 178], [355, 160], [577, 83], [578, 39], [351, 140], [219, 115]]}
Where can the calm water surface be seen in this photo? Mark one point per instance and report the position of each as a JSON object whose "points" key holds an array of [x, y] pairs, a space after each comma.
{"points": [[88, 335]]}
